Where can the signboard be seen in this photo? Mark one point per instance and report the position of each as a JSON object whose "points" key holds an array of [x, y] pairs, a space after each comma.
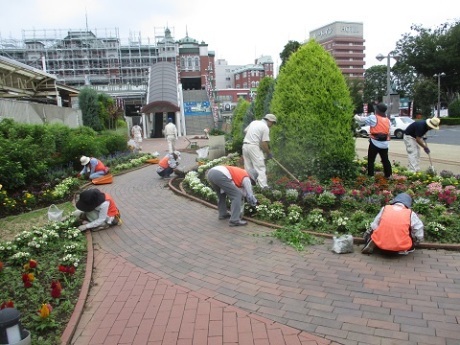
{"points": [[197, 108]]}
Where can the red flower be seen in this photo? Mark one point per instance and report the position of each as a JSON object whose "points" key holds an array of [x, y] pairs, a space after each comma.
{"points": [[1, 265], [56, 289], [27, 279], [8, 304], [67, 269], [32, 263]]}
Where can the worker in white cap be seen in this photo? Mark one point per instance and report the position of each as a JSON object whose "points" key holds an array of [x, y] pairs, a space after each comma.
{"points": [[256, 147]]}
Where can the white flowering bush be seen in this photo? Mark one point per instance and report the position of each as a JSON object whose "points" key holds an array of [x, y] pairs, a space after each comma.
{"points": [[292, 195], [65, 187], [294, 214], [437, 231], [193, 182], [275, 211]]}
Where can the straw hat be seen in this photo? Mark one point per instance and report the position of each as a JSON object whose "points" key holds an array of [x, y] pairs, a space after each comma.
{"points": [[433, 122], [84, 160]]}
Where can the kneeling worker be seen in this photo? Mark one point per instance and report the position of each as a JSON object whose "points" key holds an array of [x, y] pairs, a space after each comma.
{"points": [[235, 183], [92, 168], [168, 164], [96, 210], [396, 229]]}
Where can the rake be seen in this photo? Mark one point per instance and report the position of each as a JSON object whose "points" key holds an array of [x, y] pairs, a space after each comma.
{"points": [[431, 169]]}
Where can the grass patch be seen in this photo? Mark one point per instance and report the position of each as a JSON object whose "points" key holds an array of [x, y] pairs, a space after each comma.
{"points": [[12, 225]]}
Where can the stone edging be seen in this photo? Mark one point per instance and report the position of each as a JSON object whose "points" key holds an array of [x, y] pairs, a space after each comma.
{"points": [[71, 327]]}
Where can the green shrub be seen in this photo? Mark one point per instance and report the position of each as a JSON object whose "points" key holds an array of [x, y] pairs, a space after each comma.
{"points": [[454, 108], [314, 109], [115, 143]]}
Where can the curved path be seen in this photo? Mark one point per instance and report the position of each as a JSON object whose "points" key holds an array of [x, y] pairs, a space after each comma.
{"points": [[172, 273]]}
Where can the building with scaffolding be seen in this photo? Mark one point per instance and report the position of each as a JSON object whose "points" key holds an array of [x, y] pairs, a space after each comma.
{"points": [[100, 59]]}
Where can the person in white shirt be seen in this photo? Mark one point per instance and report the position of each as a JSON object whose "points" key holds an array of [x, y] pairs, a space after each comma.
{"points": [[256, 144], [136, 134], [170, 133]]}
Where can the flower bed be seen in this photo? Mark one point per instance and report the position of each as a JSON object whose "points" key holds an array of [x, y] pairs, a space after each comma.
{"points": [[338, 206], [43, 287]]}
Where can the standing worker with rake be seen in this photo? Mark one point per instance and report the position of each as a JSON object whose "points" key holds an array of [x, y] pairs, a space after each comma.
{"points": [[413, 139], [255, 144]]}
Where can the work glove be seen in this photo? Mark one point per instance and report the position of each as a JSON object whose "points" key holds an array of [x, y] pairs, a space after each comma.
{"points": [[427, 150], [252, 200], [357, 118], [269, 156], [82, 228]]}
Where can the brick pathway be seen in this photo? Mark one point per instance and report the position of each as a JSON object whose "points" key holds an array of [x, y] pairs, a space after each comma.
{"points": [[172, 273]]}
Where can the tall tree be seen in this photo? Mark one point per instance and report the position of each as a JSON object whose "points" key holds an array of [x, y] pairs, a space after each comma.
{"points": [[89, 105], [375, 83], [431, 51], [315, 113], [262, 92], [290, 48]]}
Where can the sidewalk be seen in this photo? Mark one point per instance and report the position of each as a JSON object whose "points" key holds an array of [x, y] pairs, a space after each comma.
{"points": [[172, 273], [443, 157]]}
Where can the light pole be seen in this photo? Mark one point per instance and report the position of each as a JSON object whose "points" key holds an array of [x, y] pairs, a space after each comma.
{"points": [[439, 75], [380, 57]]}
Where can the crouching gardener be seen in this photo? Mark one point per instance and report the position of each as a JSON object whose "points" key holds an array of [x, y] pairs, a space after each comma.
{"points": [[396, 229], [235, 183], [96, 210], [92, 168], [168, 164]]}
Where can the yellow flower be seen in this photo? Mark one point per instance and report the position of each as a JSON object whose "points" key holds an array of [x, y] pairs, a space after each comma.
{"points": [[45, 311], [31, 277]]}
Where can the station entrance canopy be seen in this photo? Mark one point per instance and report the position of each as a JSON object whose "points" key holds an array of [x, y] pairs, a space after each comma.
{"points": [[22, 82]]}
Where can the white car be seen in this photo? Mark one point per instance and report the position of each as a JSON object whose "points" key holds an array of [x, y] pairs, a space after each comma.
{"points": [[397, 128]]}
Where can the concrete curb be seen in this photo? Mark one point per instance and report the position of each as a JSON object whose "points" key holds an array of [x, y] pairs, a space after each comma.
{"points": [[71, 327]]}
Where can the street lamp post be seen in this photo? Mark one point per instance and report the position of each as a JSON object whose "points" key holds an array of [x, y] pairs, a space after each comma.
{"points": [[439, 75], [380, 57]]}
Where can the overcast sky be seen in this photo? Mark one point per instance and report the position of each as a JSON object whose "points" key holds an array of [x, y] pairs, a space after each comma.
{"points": [[238, 31]]}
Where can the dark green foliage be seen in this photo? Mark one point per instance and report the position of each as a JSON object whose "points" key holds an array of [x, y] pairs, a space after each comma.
{"points": [[315, 114], [265, 88], [269, 97], [115, 143], [238, 124], [31, 155], [290, 48], [90, 108], [454, 108], [83, 145]]}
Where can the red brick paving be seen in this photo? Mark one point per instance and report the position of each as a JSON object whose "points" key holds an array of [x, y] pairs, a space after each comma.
{"points": [[172, 273]]}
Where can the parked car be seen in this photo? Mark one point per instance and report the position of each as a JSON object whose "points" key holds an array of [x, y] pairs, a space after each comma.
{"points": [[397, 128]]}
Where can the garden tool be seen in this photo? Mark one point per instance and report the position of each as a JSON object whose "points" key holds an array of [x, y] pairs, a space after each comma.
{"points": [[287, 171], [431, 169]]}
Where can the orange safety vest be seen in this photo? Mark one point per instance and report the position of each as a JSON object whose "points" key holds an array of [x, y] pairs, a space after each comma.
{"points": [[113, 210], [164, 162], [100, 166], [237, 174], [393, 232], [382, 127]]}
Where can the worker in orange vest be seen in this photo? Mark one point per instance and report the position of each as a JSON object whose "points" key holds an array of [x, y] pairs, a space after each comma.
{"points": [[96, 210], [396, 229], [168, 164], [235, 183], [92, 168]]}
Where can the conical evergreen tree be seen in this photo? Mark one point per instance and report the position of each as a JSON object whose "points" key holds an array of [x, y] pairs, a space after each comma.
{"points": [[315, 112]]}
